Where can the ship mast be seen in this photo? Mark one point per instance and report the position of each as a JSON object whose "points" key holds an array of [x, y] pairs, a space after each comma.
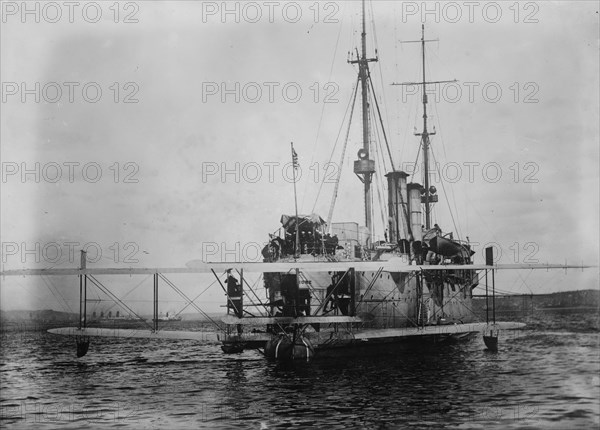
{"points": [[364, 167], [428, 195]]}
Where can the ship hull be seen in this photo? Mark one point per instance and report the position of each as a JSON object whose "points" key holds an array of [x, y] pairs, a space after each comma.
{"points": [[387, 299]]}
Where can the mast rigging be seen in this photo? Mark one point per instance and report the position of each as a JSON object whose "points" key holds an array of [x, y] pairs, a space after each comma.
{"points": [[364, 167]]}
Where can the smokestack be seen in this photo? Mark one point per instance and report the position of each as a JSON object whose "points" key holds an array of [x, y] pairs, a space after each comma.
{"points": [[397, 206], [414, 207]]}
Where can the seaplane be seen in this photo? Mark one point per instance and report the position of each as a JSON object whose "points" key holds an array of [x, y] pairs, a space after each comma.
{"points": [[337, 288]]}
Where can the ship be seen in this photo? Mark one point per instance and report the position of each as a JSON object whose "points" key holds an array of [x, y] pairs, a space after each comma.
{"points": [[337, 288], [117, 319], [362, 301], [168, 318]]}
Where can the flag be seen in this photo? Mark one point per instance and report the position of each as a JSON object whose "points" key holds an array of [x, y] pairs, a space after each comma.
{"points": [[295, 159]]}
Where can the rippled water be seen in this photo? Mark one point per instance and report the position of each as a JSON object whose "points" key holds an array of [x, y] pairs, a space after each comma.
{"points": [[540, 378]]}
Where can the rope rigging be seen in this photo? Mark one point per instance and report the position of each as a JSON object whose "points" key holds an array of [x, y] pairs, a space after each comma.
{"points": [[64, 304], [337, 179], [190, 302], [348, 108], [335, 50], [106, 291]]}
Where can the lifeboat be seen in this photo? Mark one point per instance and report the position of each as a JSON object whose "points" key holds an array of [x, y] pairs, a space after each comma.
{"points": [[449, 248]]}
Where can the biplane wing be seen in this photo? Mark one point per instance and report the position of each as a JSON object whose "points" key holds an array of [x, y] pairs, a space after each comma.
{"points": [[127, 333], [197, 266], [391, 265], [325, 319], [481, 327], [212, 337], [237, 341]]}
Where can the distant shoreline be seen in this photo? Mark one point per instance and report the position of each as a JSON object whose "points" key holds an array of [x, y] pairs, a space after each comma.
{"points": [[576, 300]]}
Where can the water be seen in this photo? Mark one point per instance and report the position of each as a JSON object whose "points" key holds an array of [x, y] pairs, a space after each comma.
{"points": [[545, 377]]}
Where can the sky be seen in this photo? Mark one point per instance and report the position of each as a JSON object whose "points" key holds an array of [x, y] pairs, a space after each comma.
{"points": [[155, 133]]}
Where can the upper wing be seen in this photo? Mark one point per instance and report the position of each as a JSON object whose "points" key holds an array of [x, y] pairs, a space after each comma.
{"points": [[196, 266]]}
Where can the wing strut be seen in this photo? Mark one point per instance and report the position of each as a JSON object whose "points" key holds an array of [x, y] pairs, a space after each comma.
{"points": [[155, 304], [491, 339], [82, 341]]}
